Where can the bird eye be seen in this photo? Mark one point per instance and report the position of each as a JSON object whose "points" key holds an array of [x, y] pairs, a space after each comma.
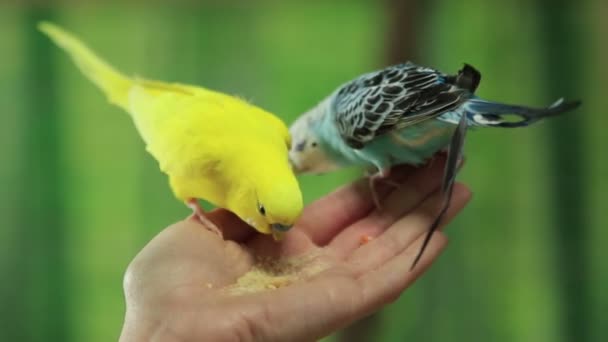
{"points": [[261, 209], [314, 144]]}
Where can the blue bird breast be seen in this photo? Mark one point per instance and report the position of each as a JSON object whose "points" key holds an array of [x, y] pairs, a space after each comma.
{"points": [[410, 145]]}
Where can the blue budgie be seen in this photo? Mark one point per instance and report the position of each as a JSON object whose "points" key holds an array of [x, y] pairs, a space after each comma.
{"points": [[403, 114]]}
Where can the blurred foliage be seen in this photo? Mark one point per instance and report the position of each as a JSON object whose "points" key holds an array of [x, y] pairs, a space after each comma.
{"points": [[81, 197]]}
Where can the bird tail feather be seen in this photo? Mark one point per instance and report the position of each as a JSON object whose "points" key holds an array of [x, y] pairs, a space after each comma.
{"points": [[114, 84], [487, 113]]}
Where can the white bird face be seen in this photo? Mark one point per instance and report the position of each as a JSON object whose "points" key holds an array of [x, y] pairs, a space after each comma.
{"points": [[308, 153]]}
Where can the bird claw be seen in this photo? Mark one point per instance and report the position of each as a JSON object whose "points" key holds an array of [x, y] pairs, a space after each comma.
{"points": [[434, 157], [199, 215], [431, 161], [380, 176]]}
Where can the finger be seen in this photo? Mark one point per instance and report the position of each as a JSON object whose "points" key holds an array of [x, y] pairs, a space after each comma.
{"points": [[406, 230], [385, 284], [233, 228], [416, 189], [324, 218]]}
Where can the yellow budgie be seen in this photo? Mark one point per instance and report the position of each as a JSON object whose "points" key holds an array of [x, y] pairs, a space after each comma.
{"points": [[212, 146]]}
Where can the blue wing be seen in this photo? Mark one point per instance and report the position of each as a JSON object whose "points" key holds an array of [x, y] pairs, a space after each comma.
{"points": [[393, 98]]}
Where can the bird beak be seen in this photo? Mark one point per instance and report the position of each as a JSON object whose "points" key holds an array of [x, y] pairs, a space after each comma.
{"points": [[295, 167], [279, 230]]}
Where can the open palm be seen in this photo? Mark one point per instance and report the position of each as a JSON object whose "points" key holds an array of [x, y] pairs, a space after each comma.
{"points": [[184, 285]]}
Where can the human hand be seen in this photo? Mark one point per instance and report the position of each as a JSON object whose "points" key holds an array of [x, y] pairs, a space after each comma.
{"points": [[188, 284]]}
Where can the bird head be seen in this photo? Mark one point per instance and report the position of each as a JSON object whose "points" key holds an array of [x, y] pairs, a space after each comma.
{"points": [[309, 151], [273, 202], [278, 203]]}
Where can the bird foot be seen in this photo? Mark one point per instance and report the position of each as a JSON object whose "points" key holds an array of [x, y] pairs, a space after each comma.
{"points": [[380, 176], [198, 214], [429, 163]]}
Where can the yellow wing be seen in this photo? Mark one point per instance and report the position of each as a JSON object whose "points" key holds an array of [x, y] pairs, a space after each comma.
{"points": [[231, 103], [185, 123], [202, 139]]}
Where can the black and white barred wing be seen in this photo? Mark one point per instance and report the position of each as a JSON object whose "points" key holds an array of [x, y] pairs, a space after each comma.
{"points": [[392, 98]]}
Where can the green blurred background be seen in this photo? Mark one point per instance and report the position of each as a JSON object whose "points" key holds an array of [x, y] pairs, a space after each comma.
{"points": [[80, 197]]}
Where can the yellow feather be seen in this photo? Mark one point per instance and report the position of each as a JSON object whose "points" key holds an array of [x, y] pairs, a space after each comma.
{"points": [[212, 146]]}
